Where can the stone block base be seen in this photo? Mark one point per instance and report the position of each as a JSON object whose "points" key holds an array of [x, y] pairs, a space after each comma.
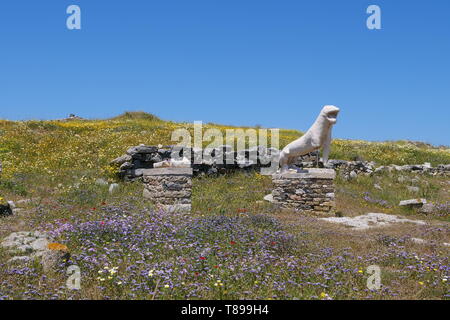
{"points": [[170, 189], [312, 190]]}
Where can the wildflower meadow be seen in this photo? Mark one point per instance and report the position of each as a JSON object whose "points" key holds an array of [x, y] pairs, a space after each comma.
{"points": [[233, 245]]}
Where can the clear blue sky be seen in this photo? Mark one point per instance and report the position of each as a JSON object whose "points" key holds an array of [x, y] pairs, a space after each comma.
{"points": [[243, 62]]}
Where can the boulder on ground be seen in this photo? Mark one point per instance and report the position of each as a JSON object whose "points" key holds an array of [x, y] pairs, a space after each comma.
{"points": [[6, 210], [141, 149], [413, 189], [101, 182], [413, 203], [121, 160], [418, 241], [427, 208], [269, 198], [371, 220], [30, 246], [52, 259]]}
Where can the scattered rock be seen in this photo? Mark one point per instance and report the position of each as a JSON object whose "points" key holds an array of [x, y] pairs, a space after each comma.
{"points": [[29, 246], [371, 220], [121, 160], [378, 187], [52, 259], [425, 242], [133, 151], [418, 240], [5, 210], [11, 205], [126, 166], [223, 159], [269, 198], [19, 260], [23, 202], [24, 248], [398, 168], [183, 163], [73, 117], [7, 244], [427, 208], [413, 203], [113, 187], [186, 208], [427, 165], [40, 244], [380, 169], [101, 182], [413, 189]]}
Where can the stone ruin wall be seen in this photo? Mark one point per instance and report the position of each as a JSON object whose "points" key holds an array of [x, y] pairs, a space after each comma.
{"points": [[139, 158], [169, 188], [312, 191]]}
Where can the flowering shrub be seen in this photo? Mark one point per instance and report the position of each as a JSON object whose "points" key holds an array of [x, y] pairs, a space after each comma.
{"points": [[442, 209], [129, 253], [381, 202]]}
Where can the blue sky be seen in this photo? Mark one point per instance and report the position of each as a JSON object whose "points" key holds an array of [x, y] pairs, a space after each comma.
{"points": [[243, 62]]}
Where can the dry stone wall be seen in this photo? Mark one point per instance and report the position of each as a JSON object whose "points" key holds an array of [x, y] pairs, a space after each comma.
{"points": [[169, 188], [137, 159], [143, 157], [311, 191]]}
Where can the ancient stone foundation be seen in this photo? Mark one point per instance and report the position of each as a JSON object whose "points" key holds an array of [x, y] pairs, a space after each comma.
{"points": [[169, 189], [139, 158], [311, 191], [208, 161]]}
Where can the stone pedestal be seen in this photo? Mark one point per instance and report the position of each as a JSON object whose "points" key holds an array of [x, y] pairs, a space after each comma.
{"points": [[169, 189], [312, 190]]}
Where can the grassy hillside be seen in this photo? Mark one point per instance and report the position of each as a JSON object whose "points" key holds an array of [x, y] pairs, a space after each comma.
{"points": [[58, 147], [233, 245]]}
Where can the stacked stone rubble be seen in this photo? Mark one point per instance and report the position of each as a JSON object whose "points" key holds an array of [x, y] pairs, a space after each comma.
{"points": [[351, 169], [143, 157], [169, 188], [208, 161], [311, 191]]}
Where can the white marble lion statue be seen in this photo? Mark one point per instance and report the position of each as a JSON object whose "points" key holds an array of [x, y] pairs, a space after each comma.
{"points": [[317, 137]]}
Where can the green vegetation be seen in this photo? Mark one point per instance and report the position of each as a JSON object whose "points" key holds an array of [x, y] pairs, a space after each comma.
{"points": [[233, 245]]}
